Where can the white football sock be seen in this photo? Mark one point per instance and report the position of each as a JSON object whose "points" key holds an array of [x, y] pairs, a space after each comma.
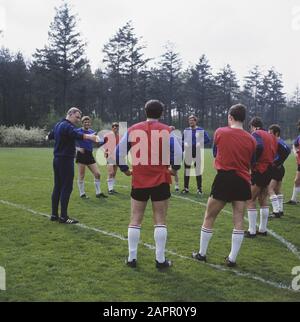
{"points": [[110, 184], [205, 237], [252, 216], [296, 190], [160, 237], [97, 186], [236, 243], [275, 203], [264, 215], [280, 200], [134, 233], [81, 187]]}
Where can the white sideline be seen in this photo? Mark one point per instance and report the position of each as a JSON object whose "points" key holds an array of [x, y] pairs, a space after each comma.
{"points": [[291, 247], [114, 235], [286, 243]]}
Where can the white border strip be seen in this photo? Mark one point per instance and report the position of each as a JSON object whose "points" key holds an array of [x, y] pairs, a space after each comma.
{"points": [[151, 247]]}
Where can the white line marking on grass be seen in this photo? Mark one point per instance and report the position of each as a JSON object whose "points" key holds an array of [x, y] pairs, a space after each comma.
{"points": [[288, 244], [291, 247], [151, 247]]}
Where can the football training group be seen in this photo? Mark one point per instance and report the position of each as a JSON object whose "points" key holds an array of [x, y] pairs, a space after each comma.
{"points": [[249, 171]]}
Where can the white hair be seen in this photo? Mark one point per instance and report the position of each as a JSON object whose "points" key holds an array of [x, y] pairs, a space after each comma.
{"points": [[73, 110]]}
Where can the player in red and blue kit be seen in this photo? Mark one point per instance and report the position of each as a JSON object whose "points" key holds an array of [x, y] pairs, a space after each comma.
{"points": [[296, 150], [278, 172], [85, 158], [266, 150], [234, 150], [191, 144], [152, 152]]}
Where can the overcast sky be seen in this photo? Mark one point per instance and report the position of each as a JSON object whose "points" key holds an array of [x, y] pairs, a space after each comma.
{"points": [[239, 32]]}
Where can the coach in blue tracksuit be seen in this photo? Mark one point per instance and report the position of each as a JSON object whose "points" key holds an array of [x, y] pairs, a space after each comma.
{"points": [[191, 142], [65, 135]]}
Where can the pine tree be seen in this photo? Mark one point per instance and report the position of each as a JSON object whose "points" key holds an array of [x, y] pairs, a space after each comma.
{"points": [[170, 78], [227, 92], [124, 59], [271, 95], [63, 59], [199, 88], [251, 91]]}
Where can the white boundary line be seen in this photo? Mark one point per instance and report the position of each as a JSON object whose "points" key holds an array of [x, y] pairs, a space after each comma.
{"points": [[151, 247], [291, 247], [286, 243]]}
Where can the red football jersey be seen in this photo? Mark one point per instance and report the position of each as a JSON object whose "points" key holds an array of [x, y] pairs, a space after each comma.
{"points": [[270, 146], [145, 174], [235, 150]]}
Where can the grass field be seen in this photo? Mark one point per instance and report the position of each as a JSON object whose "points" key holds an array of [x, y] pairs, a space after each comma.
{"points": [[46, 261]]}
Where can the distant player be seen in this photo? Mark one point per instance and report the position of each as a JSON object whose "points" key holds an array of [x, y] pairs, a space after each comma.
{"points": [[176, 176], [191, 142], [278, 172], [151, 178], [234, 149], [266, 150], [112, 140], [85, 158], [296, 190]]}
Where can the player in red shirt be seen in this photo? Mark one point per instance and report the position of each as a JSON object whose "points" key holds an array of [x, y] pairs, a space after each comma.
{"points": [[234, 148], [296, 189], [111, 141], [152, 151], [266, 150]]}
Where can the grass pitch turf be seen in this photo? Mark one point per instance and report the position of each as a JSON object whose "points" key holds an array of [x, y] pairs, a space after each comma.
{"points": [[46, 261]]}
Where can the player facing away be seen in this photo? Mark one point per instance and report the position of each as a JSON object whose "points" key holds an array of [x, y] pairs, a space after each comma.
{"points": [[277, 173], [296, 189], [85, 159], [112, 140], [266, 150], [65, 134], [190, 144], [151, 177], [234, 150]]}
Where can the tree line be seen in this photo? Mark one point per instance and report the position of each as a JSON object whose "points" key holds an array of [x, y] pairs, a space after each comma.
{"points": [[38, 92]]}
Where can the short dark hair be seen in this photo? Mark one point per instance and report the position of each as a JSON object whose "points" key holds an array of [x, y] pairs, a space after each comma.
{"points": [[238, 112], [154, 109], [85, 118], [256, 122], [275, 128], [193, 117]]}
